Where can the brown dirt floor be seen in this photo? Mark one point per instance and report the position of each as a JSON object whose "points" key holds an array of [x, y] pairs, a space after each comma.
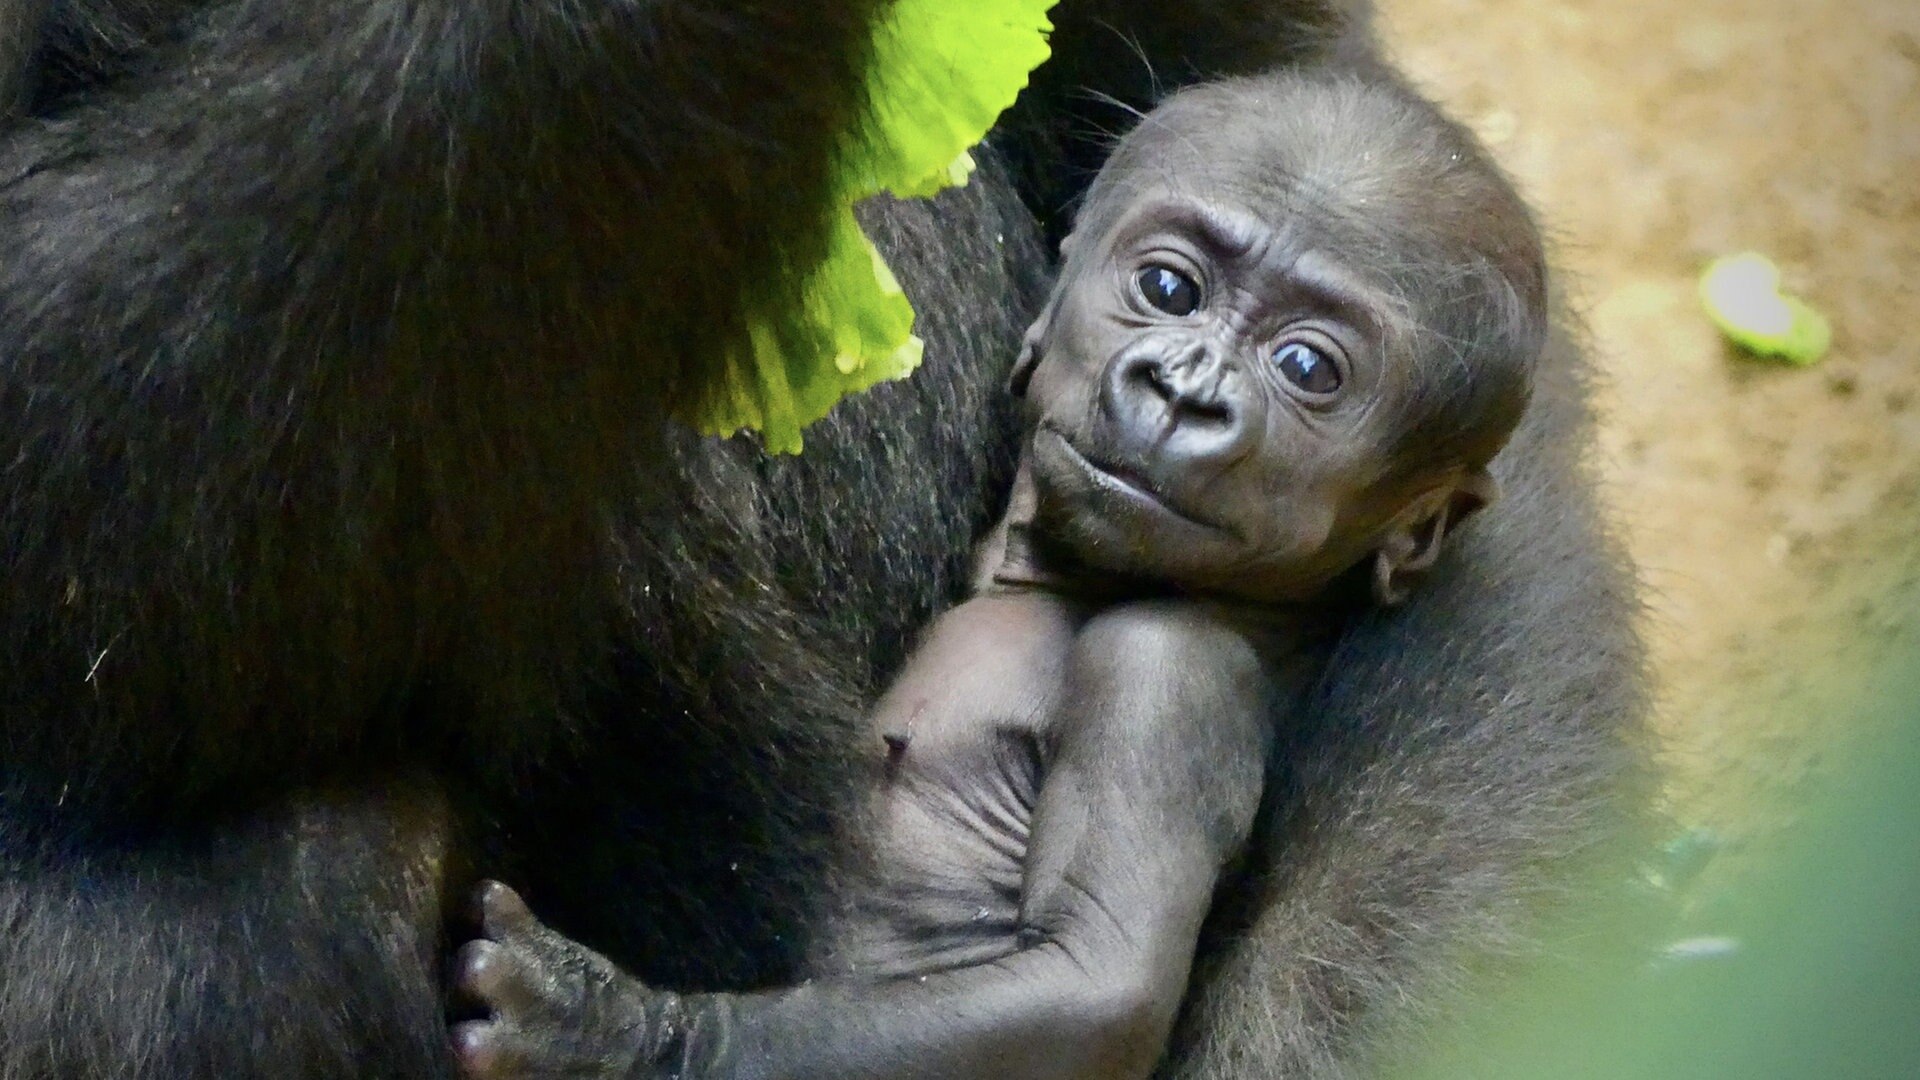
{"points": [[1772, 509]]}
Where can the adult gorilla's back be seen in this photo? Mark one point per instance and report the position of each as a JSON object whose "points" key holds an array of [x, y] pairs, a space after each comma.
{"points": [[348, 553]]}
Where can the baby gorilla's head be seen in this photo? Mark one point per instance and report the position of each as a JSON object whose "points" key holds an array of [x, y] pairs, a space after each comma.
{"points": [[1298, 316]]}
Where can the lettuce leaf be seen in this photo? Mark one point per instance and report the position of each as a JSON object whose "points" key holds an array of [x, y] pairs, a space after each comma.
{"points": [[941, 75]]}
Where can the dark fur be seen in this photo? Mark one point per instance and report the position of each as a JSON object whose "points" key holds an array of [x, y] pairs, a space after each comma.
{"points": [[345, 548], [1447, 785]]}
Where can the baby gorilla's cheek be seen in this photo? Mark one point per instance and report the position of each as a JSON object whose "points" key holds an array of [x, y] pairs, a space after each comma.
{"points": [[1061, 394]]}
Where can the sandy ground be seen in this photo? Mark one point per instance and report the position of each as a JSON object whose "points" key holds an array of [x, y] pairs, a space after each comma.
{"points": [[1772, 509]]}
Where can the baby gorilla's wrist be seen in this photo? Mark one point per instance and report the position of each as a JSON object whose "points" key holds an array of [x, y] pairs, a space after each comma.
{"points": [[557, 1008]]}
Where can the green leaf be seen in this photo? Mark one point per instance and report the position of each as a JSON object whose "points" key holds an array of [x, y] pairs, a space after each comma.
{"points": [[853, 329], [1742, 295], [941, 75]]}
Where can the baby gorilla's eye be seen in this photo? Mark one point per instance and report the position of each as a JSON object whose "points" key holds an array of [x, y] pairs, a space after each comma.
{"points": [[1169, 290], [1307, 368]]}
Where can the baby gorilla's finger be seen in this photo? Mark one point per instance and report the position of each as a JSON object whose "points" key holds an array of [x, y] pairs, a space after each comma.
{"points": [[500, 911], [505, 917], [487, 1050], [495, 977]]}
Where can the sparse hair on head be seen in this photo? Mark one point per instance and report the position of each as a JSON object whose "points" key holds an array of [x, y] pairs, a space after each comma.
{"points": [[1406, 196]]}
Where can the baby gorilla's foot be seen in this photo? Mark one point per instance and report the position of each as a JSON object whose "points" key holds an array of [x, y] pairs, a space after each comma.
{"points": [[558, 1008]]}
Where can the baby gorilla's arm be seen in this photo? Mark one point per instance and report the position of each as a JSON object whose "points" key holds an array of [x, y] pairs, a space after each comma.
{"points": [[1158, 766]]}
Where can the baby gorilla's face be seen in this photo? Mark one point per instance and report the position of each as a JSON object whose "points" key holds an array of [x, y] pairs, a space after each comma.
{"points": [[1213, 400]]}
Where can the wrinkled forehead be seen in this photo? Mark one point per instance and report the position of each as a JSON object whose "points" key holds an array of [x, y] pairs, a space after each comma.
{"points": [[1288, 177], [1257, 228]]}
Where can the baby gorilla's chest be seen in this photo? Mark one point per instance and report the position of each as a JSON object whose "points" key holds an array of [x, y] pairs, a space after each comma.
{"points": [[954, 820]]}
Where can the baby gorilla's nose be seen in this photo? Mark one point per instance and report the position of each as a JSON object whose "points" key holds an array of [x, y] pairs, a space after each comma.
{"points": [[1187, 402]]}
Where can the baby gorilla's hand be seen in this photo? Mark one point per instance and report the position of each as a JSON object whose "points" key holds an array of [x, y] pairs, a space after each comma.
{"points": [[558, 1008]]}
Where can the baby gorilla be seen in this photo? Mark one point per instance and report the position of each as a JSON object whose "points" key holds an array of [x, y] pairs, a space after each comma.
{"points": [[1297, 317]]}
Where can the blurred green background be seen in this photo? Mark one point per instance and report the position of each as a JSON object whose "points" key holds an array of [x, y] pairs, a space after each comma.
{"points": [[1803, 963]]}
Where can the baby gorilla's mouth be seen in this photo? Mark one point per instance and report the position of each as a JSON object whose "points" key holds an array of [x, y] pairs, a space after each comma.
{"points": [[1126, 481]]}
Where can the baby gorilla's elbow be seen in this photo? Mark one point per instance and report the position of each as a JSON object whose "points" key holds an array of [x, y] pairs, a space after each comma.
{"points": [[1128, 1017], [1102, 1011]]}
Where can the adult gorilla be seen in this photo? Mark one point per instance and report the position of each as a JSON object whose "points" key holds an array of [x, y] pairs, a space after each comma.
{"points": [[348, 551]]}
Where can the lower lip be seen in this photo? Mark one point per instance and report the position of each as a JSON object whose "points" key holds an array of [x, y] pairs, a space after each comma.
{"points": [[1119, 485]]}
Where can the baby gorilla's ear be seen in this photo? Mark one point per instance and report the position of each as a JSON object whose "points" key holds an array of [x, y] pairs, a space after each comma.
{"points": [[1031, 345], [1411, 543]]}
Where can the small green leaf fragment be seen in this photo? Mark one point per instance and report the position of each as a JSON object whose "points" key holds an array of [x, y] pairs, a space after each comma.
{"points": [[1742, 295]]}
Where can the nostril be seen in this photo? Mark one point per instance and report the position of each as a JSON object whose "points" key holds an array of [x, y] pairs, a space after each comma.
{"points": [[1148, 374], [1193, 396], [1208, 410], [1164, 394]]}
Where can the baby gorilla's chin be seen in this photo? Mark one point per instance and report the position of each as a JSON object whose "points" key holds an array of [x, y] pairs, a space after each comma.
{"points": [[1115, 517]]}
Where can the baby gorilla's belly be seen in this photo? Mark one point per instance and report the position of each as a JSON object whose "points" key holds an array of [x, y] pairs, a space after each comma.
{"points": [[950, 856]]}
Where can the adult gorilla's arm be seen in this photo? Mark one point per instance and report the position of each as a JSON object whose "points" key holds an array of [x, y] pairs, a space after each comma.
{"points": [[301, 940], [340, 328], [1460, 743], [324, 342]]}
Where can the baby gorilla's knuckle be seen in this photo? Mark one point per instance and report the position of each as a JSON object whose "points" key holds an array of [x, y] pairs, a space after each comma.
{"points": [[474, 965], [490, 973], [480, 1049]]}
